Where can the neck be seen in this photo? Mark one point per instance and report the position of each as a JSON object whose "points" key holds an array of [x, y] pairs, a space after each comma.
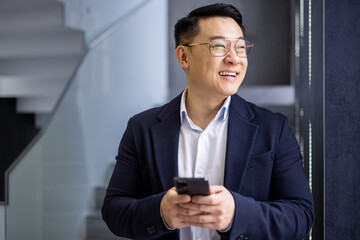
{"points": [[202, 110]]}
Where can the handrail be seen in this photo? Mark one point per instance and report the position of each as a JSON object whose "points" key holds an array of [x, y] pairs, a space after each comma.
{"points": [[118, 23], [92, 44]]}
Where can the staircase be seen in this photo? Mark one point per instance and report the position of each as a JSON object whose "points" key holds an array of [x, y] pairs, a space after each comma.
{"points": [[95, 227], [38, 55]]}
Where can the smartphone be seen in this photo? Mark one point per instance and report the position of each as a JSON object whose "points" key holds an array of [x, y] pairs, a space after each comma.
{"points": [[192, 186]]}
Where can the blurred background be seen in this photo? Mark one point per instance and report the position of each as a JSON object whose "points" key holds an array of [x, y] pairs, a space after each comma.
{"points": [[72, 72]]}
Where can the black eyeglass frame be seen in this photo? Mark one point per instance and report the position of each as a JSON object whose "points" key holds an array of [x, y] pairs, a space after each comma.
{"points": [[248, 45]]}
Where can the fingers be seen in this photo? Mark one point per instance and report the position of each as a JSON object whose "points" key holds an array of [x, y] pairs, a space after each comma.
{"points": [[176, 198], [170, 209], [217, 189], [218, 193], [205, 220], [199, 208], [215, 211], [219, 207]]}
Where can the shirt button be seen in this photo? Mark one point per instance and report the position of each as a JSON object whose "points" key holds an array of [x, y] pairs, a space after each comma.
{"points": [[199, 171]]}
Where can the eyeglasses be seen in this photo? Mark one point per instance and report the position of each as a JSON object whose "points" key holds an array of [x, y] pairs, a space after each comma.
{"points": [[219, 47]]}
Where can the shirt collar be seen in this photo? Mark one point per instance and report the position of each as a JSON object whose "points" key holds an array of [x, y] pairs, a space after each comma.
{"points": [[222, 114]]}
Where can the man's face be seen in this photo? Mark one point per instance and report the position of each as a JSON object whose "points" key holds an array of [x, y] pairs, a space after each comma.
{"points": [[210, 76]]}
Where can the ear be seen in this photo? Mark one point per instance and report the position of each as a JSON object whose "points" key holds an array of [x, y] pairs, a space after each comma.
{"points": [[181, 53]]}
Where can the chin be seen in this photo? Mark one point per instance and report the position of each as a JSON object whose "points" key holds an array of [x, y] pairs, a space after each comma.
{"points": [[231, 91]]}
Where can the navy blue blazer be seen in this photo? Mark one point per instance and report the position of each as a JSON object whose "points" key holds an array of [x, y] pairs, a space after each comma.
{"points": [[263, 171]]}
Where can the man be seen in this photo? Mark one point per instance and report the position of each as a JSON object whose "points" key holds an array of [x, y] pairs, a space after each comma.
{"points": [[250, 156]]}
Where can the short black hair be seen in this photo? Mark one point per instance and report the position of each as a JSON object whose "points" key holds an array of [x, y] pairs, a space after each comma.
{"points": [[187, 28]]}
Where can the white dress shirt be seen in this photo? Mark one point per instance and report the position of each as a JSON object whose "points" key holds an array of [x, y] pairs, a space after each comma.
{"points": [[201, 153]]}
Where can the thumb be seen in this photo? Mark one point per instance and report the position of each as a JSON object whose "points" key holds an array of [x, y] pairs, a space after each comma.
{"points": [[178, 198], [214, 189]]}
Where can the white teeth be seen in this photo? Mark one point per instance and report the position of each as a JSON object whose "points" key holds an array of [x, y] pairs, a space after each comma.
{"points": [[227, 74]]}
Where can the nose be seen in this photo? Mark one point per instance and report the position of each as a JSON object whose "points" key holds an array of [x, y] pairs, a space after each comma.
{"points": [[231, 57]]}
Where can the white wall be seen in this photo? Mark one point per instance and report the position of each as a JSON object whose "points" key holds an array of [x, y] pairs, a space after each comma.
{"points": [[2, 222], [125, 74], [24, 214], [95, 16]]}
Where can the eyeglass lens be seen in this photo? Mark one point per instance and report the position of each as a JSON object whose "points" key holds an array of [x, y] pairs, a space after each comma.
{"points": [[220, 47]]}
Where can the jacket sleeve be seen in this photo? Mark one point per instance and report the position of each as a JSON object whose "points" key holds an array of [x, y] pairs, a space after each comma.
{"points": [[288, 214], [126, 211]]}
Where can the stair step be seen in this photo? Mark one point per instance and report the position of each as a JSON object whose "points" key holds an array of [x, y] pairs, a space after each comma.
{"points": [[51, 67], [31, 87], [9, 4], [43, 105], [17, 16], [99, 196], [42, 43], [96, 228], [100, 191]]}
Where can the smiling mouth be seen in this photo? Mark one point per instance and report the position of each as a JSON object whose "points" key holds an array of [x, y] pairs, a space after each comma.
{"points": [[227, 74]]}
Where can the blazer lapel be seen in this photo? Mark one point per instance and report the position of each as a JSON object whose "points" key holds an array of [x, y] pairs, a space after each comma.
{"points": [[240, 142], [165, 136]]}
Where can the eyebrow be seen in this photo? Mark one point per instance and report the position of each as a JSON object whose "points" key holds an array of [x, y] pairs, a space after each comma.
{"points": [[222, 37]]}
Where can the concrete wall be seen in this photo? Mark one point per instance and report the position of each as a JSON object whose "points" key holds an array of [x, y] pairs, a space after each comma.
{"points": [[267, 24], [342, 119]]}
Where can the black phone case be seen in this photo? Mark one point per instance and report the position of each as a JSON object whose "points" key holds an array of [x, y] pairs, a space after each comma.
{"points": [[192, 186]]}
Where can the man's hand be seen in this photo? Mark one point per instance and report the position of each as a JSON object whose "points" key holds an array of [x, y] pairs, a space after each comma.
{"points": [[215, 211], [171, 210]]}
